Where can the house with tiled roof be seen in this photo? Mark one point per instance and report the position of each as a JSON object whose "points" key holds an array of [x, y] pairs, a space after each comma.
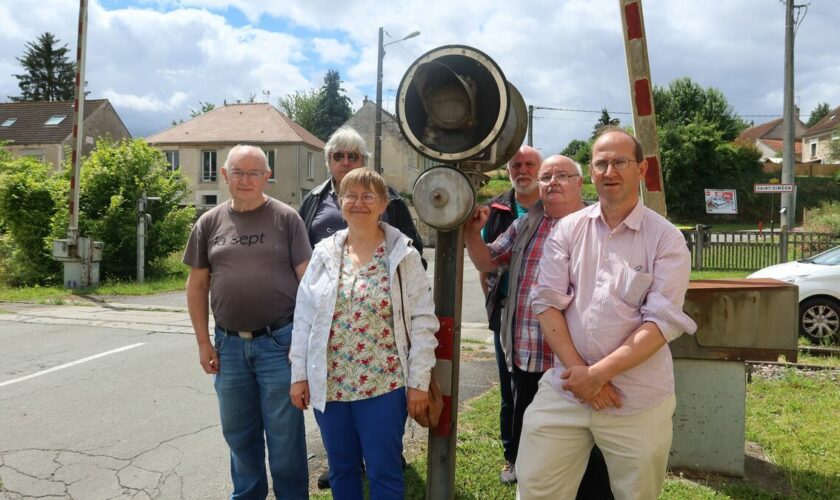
{"points": [[199, 148], [816, 140], [768, 138], [44, 129]]}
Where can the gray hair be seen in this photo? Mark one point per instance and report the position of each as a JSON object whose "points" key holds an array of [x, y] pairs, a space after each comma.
{"points": [[554, 158], [347, 139], [243, 149]]}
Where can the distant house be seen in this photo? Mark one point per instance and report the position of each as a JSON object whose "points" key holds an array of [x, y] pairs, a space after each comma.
{"points": [[816, 139], [43, 129], [199, 147], [768, 138], [401, 164]]}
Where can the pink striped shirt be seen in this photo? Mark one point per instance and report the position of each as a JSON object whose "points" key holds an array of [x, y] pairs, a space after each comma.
{"points": [[609, 283]]}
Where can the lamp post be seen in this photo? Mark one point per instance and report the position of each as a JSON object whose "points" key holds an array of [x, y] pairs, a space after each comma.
{"points": [[377, 134]]}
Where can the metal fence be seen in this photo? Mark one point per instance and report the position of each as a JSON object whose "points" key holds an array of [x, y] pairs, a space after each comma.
{"points": [[752, 250]]}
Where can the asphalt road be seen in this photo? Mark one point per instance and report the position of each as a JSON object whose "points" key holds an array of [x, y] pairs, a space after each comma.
{"points": [[108, 401]]}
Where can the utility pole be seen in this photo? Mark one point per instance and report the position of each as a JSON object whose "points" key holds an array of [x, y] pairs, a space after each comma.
{"points": [[788, 205], [531, 126], [377, 134]]}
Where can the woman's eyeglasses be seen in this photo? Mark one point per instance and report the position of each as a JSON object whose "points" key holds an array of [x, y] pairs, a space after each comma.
{"points": [[338, 156], [367, 198]]}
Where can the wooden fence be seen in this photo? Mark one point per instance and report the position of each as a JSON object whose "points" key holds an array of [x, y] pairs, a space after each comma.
{"points": [[752, 250]]}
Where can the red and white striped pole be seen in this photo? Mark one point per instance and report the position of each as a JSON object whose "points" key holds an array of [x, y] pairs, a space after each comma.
{"points": [[78, 132], [641, 93]]}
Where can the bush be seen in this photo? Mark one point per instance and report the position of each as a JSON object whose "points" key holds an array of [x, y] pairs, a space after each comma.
{"points": [[27, 204], [824, 219]]}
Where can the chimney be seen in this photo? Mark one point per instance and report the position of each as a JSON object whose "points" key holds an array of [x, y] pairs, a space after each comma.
{"points": [[796, 112]]}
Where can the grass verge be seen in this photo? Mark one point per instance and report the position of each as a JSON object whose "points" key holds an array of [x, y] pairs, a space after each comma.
{"points": [[794, 419]]}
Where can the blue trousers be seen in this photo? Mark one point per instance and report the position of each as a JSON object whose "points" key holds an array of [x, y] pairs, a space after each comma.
{"points": [[253, 390], [370, 429]]}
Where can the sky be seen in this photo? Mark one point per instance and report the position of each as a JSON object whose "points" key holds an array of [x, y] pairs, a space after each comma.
{"points": [[155, 60]]}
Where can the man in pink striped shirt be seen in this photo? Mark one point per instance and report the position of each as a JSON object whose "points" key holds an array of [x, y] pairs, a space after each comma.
{"points": [[609, 298]]}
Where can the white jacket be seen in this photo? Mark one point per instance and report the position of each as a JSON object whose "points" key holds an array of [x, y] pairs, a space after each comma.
{"points": [[316, 303]]}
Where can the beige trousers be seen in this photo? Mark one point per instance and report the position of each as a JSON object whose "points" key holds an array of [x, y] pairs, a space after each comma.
{"points": [[557, 436]]}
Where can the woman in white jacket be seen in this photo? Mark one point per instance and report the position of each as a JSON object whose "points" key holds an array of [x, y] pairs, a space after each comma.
{"points": [[363, 341]]}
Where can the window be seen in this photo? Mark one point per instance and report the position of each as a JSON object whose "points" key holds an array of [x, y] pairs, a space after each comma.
{"points": [[208, 166], [9, 122], [269, 154], [310, 166], [55, 119], [209, 199], [813, 149], [173, 158]]}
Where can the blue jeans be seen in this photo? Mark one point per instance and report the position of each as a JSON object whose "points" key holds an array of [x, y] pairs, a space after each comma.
{"points": [[253, 391], [506, 411], [371, 429]]}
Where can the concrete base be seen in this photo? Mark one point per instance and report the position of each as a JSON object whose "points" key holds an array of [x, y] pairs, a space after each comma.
{"points": [[710, 416]]}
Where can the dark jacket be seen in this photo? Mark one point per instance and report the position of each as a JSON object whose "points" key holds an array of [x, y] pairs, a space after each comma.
{"points": [[396, 214], [502, 215]]}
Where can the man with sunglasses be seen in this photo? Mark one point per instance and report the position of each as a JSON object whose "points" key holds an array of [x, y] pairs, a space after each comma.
{"points": [[249, 254], [321, 211], [346, 150], [518, 250], [609, 298]]}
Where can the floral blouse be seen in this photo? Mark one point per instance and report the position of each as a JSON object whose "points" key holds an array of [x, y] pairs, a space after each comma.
{"points": [[362, 357]]}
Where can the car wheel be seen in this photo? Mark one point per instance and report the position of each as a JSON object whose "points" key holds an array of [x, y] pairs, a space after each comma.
{"points": [[819, 320]]}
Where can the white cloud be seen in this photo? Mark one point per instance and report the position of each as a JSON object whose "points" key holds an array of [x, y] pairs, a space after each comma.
{"points": [[332, 51], [559, 54], [146, 102]]}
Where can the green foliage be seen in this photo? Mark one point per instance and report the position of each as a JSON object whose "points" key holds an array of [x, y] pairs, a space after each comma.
{"points": [[604, 121], [695, 157], [203, 107], [824, 219], [580, 151], [684, 102], [817, 114], [812, 192], [113, 179], [334, 107], [834, 148], [27, 204], [302, 107], [48, 74]]}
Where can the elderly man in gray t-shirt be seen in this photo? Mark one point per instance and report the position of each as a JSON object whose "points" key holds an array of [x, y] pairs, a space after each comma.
{"points": [[249, 254]]}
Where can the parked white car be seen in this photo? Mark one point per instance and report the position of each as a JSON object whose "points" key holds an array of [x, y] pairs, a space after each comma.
{"points": [[818, 278]]}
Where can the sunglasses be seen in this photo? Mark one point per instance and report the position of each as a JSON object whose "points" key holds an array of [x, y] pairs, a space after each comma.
{"points": [[351, 157]]}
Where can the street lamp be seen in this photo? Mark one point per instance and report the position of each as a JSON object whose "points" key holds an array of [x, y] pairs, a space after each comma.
{"points": [[377, 135]]}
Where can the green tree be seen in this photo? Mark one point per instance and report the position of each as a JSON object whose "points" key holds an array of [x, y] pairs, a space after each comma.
{"points": [[302, 107], [334, 107], [604, 121], [685, 101], [580, 151], [48, 74], [817, 114], [114, 177], [203, 107], [834, 146]]}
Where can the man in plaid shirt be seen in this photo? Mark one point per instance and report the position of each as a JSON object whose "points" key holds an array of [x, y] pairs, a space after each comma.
{"points": [[519, 249]]}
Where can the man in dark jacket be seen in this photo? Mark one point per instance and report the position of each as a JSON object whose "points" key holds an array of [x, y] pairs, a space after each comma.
{"points": [[504, 209], [321, 213]]}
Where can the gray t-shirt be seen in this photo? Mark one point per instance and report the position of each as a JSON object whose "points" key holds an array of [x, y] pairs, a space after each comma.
{"points": [[252, 257]]}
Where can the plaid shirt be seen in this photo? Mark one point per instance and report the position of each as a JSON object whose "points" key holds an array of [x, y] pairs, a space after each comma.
{"points": [[531, 353]]}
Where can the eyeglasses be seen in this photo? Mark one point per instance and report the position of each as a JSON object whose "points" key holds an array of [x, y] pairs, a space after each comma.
{"points": [[367, 198], [561, 178], [601, 166], [338, 156], [251, 174]]}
